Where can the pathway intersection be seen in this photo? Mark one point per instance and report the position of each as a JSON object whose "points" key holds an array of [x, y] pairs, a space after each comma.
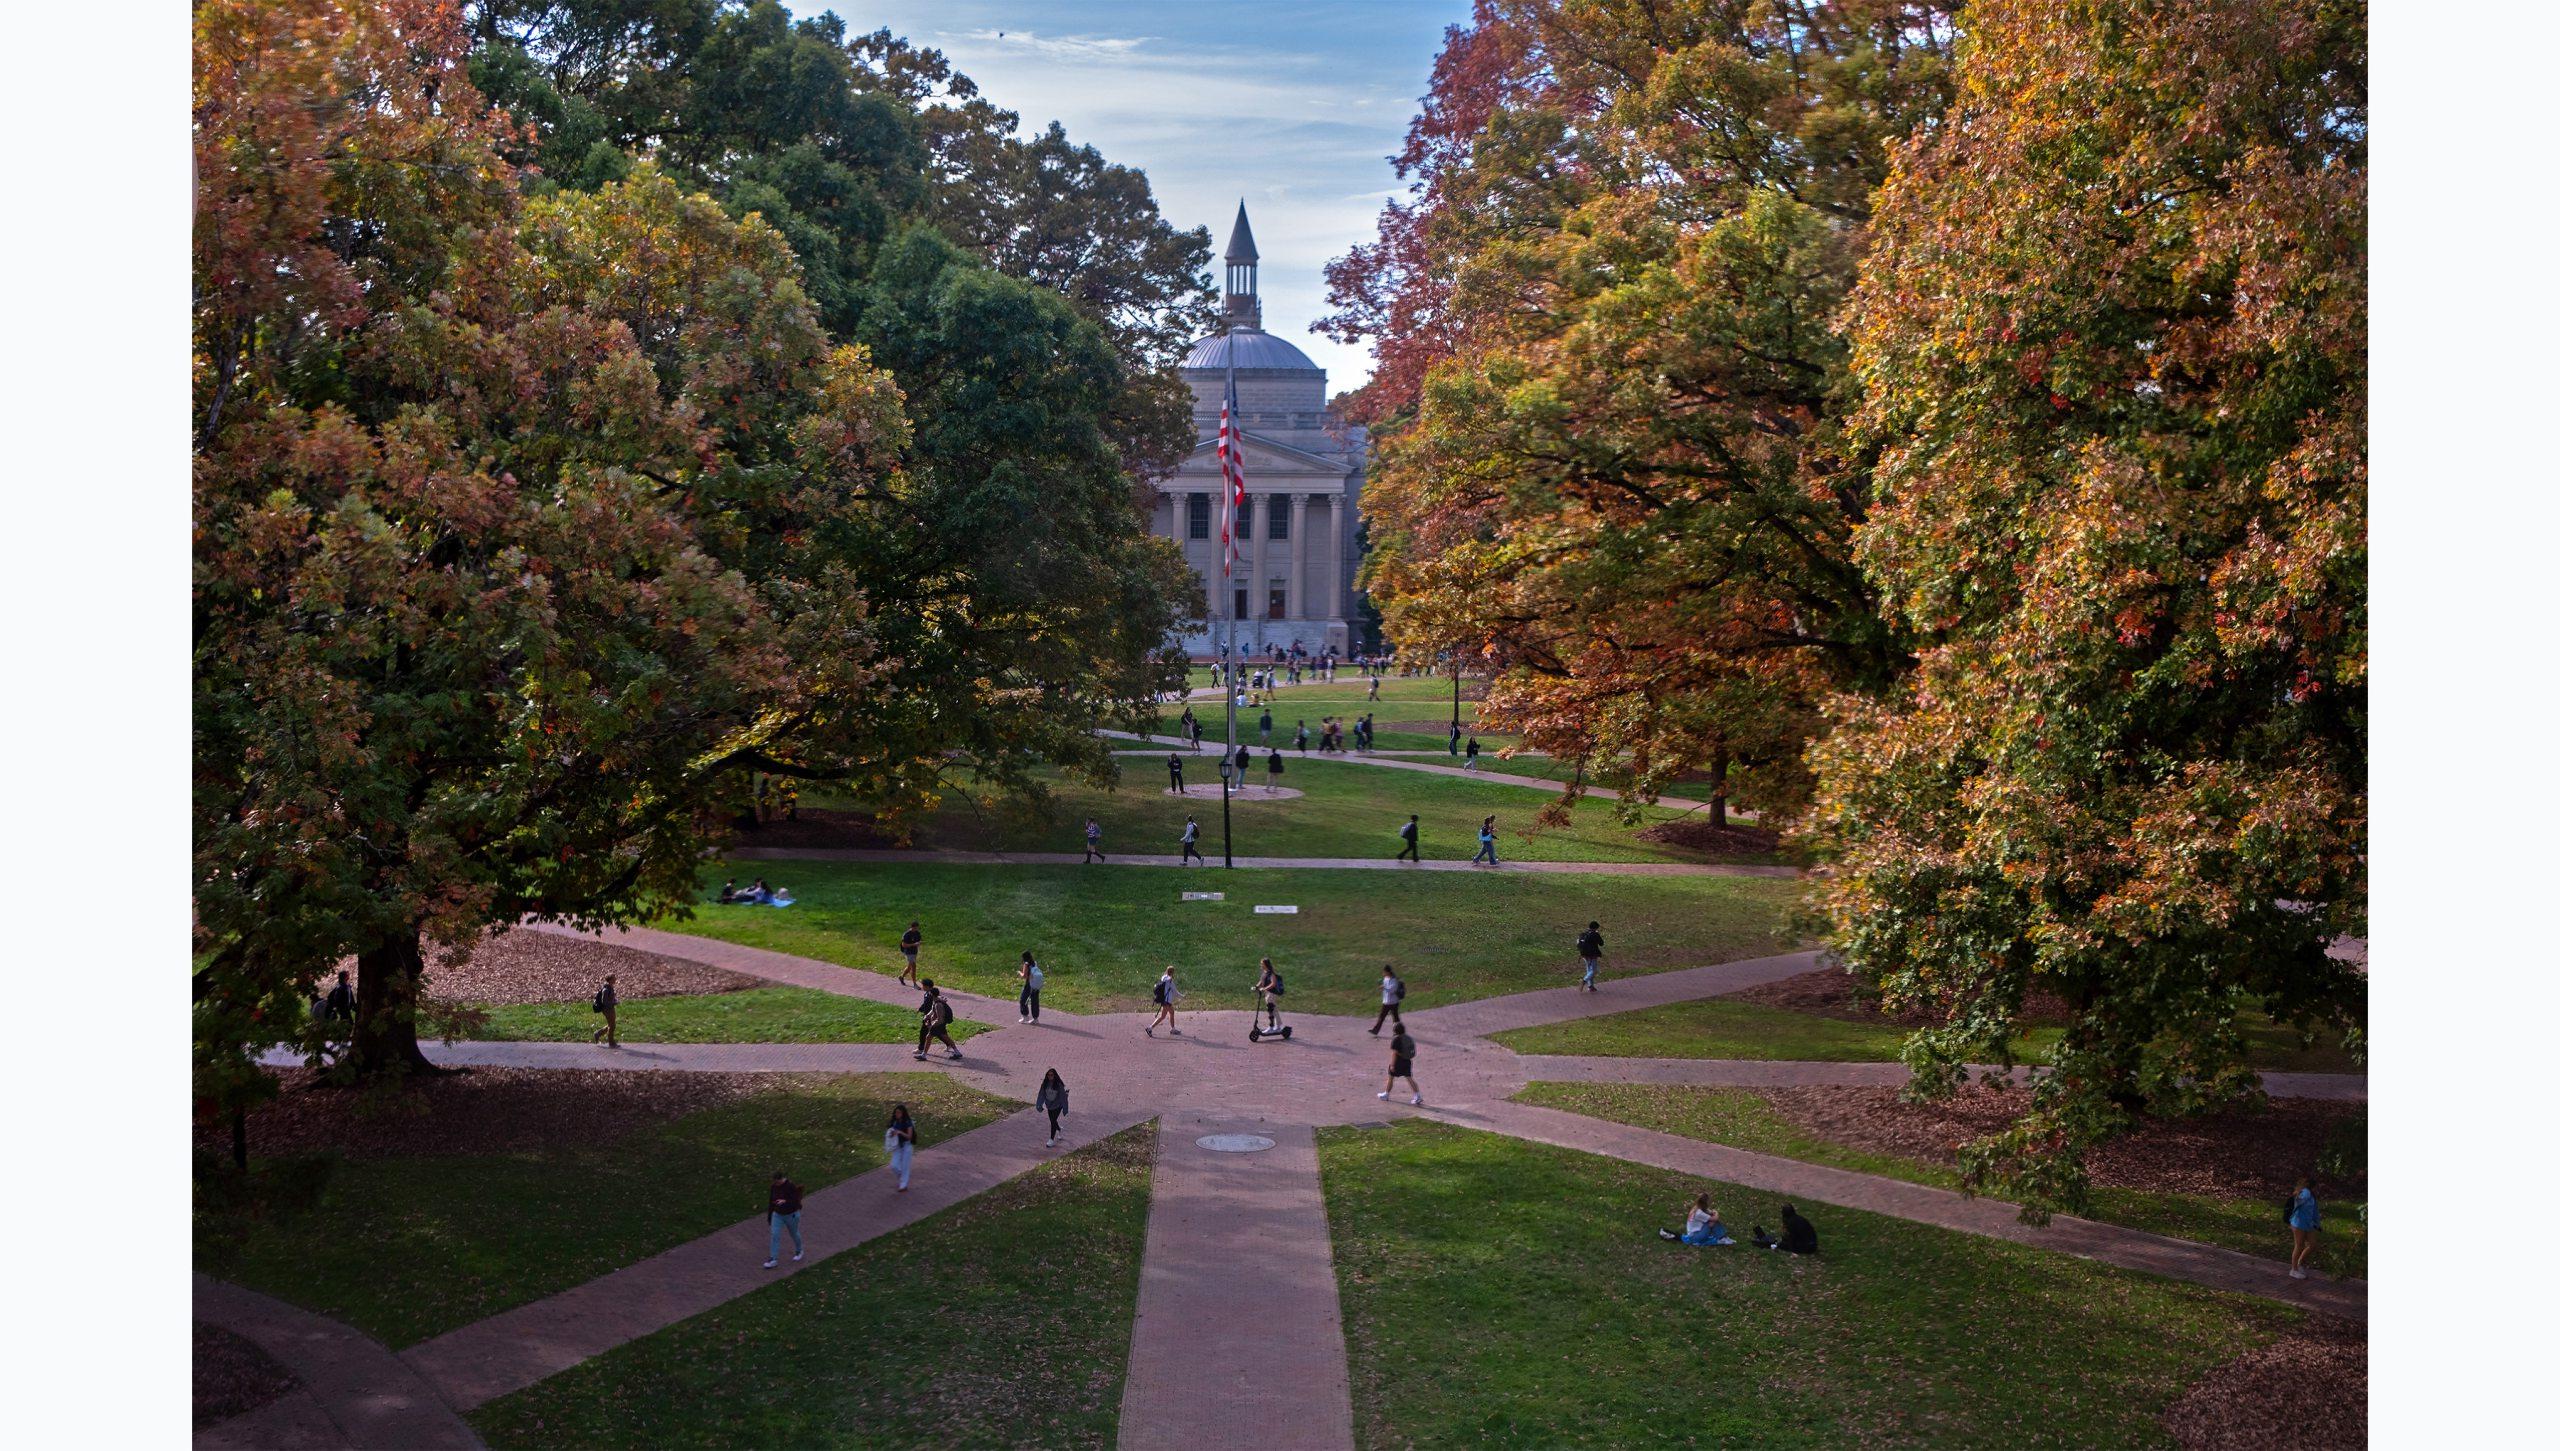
{"points": [[1238, 1266]]}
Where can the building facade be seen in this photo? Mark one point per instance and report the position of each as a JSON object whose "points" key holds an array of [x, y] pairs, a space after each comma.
{"points": [[1296, 575]]}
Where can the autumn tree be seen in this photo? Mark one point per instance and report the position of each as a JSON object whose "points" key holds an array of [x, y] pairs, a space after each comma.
{"points": [[1610, 460], [2111, 341]]}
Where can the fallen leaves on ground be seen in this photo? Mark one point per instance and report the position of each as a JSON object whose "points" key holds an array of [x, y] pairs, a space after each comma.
{"points": [[481, 1111], [232, 1376]]}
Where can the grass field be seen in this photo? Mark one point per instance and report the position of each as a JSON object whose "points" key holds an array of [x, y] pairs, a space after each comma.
{"points": [[752, 1015], [1412, 712], [1745, 1120], [1348, 810], [1723, 1028], [1103, 933], [1001, 1322], [407, 1248], [1505, 1294]]}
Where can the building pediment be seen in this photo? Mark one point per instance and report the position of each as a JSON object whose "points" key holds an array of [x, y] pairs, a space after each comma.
{"points": [[1272, 450]]}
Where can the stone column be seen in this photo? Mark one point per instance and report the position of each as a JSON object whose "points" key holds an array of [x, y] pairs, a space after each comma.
{"points": [[1295, 504]]}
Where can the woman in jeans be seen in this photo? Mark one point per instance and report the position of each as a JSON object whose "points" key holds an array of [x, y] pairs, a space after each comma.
{"points": [[1053, 1100], [1027, 1002], [901, 1140]]}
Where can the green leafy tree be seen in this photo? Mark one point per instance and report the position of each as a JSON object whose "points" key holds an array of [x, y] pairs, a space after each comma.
{"points": [[2111, 332]]}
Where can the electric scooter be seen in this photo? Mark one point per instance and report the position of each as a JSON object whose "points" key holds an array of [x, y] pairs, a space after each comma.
{"points": [[1278, 1032]]}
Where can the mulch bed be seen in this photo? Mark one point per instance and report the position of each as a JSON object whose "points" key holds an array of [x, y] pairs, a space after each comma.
{"points": [[1693, 832], [2305, 1389], [2239, 1153], [482, 1111], [233, 1377], [1831, 993], [545, 967], [816, 827]]}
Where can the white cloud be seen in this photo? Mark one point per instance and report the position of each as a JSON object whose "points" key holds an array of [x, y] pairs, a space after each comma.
{"points": [[1058, 47]]}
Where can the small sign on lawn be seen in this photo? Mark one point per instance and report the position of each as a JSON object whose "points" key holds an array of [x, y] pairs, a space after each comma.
{"points": [[1291, 910], [1204, 896]]}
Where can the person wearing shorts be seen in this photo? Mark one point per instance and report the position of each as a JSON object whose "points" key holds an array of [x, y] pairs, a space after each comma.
{"points": [[1400, 1065], [1166, 996], [2302, 1216], [1093, 841], [910, 944], [1270, 987]]}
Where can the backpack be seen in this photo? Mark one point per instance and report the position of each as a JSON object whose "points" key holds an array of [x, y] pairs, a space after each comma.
{"points": [[597, 1004], [1277, 986], [1399, 989], [1588, 944], [1161, 988]]}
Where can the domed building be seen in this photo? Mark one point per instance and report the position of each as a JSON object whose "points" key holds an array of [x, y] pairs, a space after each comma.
{"points": [[1297, 547]]}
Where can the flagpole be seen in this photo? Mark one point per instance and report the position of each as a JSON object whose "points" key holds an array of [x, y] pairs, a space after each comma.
{"points": [[1226, 482]]}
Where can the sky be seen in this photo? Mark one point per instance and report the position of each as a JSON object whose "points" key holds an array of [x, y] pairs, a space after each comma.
{"points": [[1292, 108]]}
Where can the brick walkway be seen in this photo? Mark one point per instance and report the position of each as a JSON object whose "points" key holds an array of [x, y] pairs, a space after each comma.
{"points": [[1238, 1340], [784, 967], [1302, 863], [516, 1348], [354, 1391]]}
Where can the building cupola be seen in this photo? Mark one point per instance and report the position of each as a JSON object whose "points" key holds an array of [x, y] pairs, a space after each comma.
{"points": [[1244, 299]]}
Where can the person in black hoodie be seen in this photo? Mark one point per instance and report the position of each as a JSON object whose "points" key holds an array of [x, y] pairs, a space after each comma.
{"points": [[781, 1212], [1799, 1238]]}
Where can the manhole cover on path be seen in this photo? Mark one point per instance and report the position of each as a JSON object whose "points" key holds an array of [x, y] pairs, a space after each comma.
{"points": [[1235, 1143]]}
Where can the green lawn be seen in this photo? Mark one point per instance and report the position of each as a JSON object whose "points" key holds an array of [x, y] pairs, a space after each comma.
{"points": [[1746, 1120], [1724, 1028], [1714, 1028], [1001, 1322], [1103, 933], [1348, 810], [1497, 1293], [752, 1015], [1413, 714], [407, 1248]]}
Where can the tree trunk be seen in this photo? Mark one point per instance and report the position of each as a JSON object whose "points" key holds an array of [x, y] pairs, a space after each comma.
{"points": [[240, 1139], [388, 977], [1715, 789]]}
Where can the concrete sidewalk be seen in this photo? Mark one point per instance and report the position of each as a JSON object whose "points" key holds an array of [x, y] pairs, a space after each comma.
{"points": [[1239, 1333]]}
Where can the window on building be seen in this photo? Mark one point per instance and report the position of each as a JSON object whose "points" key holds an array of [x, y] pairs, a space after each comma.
{"points": [[1279, 602], [1244, 518], [1242, 610], [1280, 517], [1199, 516]]}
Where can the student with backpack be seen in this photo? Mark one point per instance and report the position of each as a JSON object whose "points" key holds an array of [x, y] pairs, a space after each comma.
{"points": [[1390, 1001], [1588, 947], [937, 1015], [1411, 834], [1052, 1101], [1166, 995], [901, 1142], [1270, 987], [340, 1006], [1027, 1001], [1400, 1065], [1093, 841], [1471, 753], [1484, 845], [781, 1212], [1191, 841], [1302, 738], [607, 1002], [909, 945]]}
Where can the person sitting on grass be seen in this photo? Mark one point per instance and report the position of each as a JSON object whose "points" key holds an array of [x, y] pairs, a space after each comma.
{"points": [[1799, 1238], [729, 890], [1706, 1228]]}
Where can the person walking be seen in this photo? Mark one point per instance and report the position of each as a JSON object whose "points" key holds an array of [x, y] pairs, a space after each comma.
{"points": [[1266, 725], [1092, 841], [1587, 947], [1272, 767], [781, 1212], [937, 1013], [1052, 1101], [1166, 996], [1302, 738], [1453, 738], [1471, 753], [1191, 841], [1400, 1065], [1027, 1001], [2302, 1216], [1173, 768], [1390, 1001], [910, 944], [608, 1002], [1373, 687], [1270, 987], [1411, 834], [1484, 845], [340, 1007], [1190, 723], [901, 1142]]}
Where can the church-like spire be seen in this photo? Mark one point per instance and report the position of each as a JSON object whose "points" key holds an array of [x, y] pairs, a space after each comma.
{"points": [[1240, 241], [1244, 300]]}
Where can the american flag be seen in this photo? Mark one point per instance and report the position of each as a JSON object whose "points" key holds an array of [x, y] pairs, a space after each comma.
{"points": [[1230, 468]]}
